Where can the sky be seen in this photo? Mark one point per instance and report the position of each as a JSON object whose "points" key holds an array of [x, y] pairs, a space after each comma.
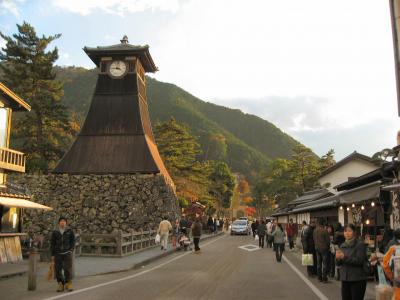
{"points": [[322, 71]]}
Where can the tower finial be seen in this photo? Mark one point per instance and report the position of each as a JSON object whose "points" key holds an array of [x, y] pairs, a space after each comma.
{"points": [[125, 40]]}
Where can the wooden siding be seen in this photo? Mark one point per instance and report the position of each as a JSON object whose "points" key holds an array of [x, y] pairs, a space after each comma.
{"points": [[10, 249]]}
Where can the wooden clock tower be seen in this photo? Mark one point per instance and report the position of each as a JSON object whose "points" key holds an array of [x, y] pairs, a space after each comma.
{"points": [[117, 137]]}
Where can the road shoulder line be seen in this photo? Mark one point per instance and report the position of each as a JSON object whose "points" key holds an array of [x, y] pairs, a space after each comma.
{"points": [[305, 279]]}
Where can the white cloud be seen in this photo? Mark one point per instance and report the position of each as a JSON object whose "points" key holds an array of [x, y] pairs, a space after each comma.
{"points": [[10, 6], [2, 43], [309, 66], [339, 50], [119, 7]]}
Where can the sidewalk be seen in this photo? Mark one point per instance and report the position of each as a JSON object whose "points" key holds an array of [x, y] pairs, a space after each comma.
{"points": [[90, 266]]}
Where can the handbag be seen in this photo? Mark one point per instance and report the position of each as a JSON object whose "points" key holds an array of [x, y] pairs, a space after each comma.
{"points": [[307, 260], [157, 239], [50, 272], [256, 238]]}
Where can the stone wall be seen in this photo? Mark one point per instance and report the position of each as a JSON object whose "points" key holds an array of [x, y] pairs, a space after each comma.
{"points": [[98, 203]]}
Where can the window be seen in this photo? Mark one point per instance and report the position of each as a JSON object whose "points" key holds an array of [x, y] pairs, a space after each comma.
{"points": [[3, 126], [10, 219]]}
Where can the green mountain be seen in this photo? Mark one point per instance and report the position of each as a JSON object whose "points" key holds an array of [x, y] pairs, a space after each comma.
{"points": [[250, 141]]}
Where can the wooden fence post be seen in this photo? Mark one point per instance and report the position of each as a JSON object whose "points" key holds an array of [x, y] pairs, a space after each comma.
{"points": [[119, 243], [142, 239], [33, 258], [132, 240], [79, 243]]}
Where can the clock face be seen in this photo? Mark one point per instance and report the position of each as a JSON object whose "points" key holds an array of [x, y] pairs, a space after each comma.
{"points": [[117, 68]]}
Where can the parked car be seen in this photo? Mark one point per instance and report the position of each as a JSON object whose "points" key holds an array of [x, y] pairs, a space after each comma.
{"points": [[240, 227]]}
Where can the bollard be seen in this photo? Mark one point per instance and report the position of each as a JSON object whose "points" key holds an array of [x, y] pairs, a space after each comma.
{"points": [[33, 258]]}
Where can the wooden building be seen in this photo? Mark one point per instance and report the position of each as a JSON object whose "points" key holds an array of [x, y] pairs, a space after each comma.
{"points": [[13, 199], [117, 136]]}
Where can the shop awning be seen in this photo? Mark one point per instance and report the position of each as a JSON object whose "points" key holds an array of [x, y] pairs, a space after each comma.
{"points": [[22, 203], [363, 193]]}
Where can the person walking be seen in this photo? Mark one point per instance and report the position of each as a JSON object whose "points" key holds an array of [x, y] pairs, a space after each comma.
{"points": [[62, 246], [351, 256], [338, 240], [332, 252], [210, 224], [175, 232], [269, 236], [279, 242], [184, 225], [309, 247], [261, 229], [254, 227], [163, 230], [196, 233], [322, 248], [216, 225], [291, 232]]}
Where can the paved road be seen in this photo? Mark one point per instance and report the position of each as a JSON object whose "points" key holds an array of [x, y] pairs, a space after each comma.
{"points": [[222, 271]]}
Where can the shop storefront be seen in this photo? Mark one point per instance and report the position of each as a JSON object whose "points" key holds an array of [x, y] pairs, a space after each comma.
{"points": [[11, 218]]}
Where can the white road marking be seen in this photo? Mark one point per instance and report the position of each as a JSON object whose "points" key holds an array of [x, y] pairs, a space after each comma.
{"points": [[127, 277], [249, 247], [305, 279]]}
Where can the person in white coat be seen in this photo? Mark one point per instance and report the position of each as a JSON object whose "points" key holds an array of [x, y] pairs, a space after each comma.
{"points": [[163, 230]]}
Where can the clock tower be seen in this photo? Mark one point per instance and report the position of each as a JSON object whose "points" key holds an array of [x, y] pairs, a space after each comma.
{"points": [[117, 137]]}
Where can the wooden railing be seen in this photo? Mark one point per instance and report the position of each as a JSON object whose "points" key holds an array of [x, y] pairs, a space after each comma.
{"points": [[116, 244], [12, 160]]}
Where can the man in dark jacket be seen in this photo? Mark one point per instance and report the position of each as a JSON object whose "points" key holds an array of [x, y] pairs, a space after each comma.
{"points": [[322, 244], [196, 233], [309, 247], [254, 226], [261, 233], [62, 246]]}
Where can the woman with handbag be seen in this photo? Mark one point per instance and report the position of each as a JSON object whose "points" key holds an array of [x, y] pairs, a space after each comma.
{"points": [[352, 257], [279, 242]]}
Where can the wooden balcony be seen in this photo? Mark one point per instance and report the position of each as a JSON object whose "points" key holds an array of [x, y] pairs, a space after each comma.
{"points": [[12, 160]]}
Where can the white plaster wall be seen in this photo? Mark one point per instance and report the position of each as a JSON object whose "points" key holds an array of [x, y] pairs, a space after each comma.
{"points": [[353, 168]]}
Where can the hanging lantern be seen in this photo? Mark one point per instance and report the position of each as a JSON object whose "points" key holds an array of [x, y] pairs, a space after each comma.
{"points": [[367, 222], [341, 207], [348, 208], [353, 205], [362, 207], [372, 203]]}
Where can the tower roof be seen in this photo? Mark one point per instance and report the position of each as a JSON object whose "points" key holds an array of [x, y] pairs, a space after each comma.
{"points": [[124, 48]]}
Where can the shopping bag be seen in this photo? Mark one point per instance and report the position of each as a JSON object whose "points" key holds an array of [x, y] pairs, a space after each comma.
{"points": [[307, 260], [157, 239], [256, 238], [381, 275], [50, 272]]}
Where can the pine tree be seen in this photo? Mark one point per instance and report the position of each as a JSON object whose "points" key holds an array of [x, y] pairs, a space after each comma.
{"points": [[327, 160], [304, 168], [179, 151], [27, 68], [222, 185]]}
